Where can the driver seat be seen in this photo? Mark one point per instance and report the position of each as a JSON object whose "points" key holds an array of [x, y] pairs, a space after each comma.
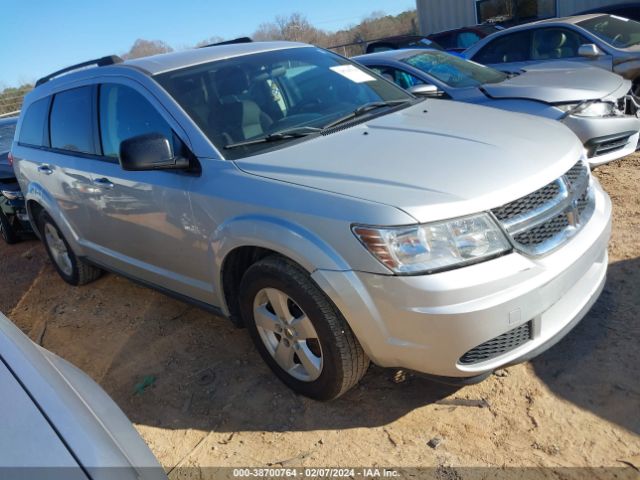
{"points": [[239, 117]]}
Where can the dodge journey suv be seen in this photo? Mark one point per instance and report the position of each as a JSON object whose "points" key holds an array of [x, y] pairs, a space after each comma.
{"points": [[337, 217]]}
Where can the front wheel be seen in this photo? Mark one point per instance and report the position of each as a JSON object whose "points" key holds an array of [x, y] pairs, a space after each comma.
{"points": [[299, 333], [72, 269]]}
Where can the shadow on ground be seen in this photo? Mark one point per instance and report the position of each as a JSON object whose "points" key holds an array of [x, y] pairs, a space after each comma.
{"points": [[596, 366], [170, 365]]}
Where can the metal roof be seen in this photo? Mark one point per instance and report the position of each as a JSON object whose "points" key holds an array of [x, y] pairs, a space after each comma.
{"points": [[171, 61]]}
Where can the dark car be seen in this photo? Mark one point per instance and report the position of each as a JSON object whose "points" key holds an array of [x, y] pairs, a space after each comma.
{"points": [[13, 216], [400, 42], [626, 10], [460, 39], [387, 43]]}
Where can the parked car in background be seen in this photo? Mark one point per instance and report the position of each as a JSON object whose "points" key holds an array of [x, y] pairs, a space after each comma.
{"points": [[14, 220], [604, 41], [402, 41], [595, 104], [626, 10], [336, 216], [460, 39], [57, 423], [387, 43]]}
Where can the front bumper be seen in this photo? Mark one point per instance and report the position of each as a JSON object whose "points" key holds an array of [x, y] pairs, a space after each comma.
{"points": [[427, 323], [606, 139]]}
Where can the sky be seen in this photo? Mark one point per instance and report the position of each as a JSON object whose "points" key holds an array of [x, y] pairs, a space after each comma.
{"points": [[39, 37]]}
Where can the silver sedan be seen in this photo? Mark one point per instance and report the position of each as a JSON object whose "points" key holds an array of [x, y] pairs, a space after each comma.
{"points": [[606, 41], [57, 423], [594, 103]]}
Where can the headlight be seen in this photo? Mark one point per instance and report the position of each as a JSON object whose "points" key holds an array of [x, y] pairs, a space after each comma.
{"points": [[590, 109], [12, 194], [435, 246]]}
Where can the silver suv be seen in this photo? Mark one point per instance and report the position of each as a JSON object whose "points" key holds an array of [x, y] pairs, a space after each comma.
{"points": [[337, 217]]}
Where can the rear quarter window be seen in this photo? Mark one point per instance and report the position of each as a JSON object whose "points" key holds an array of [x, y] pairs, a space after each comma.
{"points": [[71, 123], [32, 131]]}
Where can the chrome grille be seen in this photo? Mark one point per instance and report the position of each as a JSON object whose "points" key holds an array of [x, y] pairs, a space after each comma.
{"points": [[543, 220], [528, 203], [499, 345]]}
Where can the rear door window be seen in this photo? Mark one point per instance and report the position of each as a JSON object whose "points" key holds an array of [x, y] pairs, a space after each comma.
{"points": [[515, 47], [71, 122], [33, 127]]}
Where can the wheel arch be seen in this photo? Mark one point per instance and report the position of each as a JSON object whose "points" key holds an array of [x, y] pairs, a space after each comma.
{"points": [[240, 243]]}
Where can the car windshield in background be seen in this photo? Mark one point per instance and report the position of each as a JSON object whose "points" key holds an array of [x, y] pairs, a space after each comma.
{"points": [[455, 72], [253, 103], [6, 136], [616, 31]]}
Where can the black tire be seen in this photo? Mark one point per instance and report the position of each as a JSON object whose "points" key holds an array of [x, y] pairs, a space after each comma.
{"points": [[7, 232], [80, 272], [343, 359]]}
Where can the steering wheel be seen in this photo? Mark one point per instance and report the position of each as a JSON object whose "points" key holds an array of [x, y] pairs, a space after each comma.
{"points": [[311, 104], [617, 38]]}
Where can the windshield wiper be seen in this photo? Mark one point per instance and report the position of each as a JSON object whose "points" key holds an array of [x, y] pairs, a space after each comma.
{"points": [[367, 107], [294, 132]]}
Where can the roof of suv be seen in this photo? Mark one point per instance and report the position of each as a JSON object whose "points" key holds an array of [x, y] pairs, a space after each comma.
{"points": [[165, 62], [171, 61]]}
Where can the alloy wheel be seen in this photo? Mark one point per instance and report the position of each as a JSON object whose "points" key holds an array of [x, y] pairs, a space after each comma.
{"points": [[58, 249], [288, 334]]}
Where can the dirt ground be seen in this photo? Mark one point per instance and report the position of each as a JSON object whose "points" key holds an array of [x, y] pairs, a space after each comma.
{"points": [[200, 395]]}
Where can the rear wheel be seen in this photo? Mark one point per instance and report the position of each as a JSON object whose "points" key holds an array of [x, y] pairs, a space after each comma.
{"points": [[300, 334], [7, 232], [72, 269]]}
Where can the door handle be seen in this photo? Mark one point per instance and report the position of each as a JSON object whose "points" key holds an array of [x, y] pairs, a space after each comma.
{"points": [[46, 169], [103, 183]]}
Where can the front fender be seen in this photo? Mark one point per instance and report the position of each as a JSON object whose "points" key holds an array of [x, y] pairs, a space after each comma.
{"points": [[282, 236]]}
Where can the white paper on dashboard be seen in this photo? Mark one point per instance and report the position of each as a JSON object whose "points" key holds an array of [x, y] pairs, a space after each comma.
{"points": [[353, 73]]}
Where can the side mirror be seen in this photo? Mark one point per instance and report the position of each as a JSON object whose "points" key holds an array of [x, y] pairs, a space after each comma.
{"points": [[589, 50], [151, 151], [426, 90]]}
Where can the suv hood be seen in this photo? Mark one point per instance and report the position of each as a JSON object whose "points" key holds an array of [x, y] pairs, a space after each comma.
{"points": [[560, 83], [437, 159]]}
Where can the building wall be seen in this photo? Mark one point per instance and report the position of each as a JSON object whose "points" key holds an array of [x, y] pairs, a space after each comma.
{"points": [[438, 15]]}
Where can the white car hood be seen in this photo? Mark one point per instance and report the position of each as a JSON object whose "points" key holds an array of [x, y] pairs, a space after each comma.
{"points": [[434, 160]]}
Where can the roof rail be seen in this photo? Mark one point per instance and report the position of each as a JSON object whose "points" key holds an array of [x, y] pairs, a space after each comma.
{"points": [[99, 62], [230, 42]]}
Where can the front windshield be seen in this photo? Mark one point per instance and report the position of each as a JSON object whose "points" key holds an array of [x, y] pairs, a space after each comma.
{"points": [[6, 136], [454, 71], [252, 96], [616, 31]]}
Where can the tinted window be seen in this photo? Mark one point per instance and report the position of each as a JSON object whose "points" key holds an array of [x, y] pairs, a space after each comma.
{"points": [[33, 125], [549, 43], [617, 31], [124, 113], [71, 123], [506, 49], [7, 130], [447, 40], [466, 39], [399, 77]]}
